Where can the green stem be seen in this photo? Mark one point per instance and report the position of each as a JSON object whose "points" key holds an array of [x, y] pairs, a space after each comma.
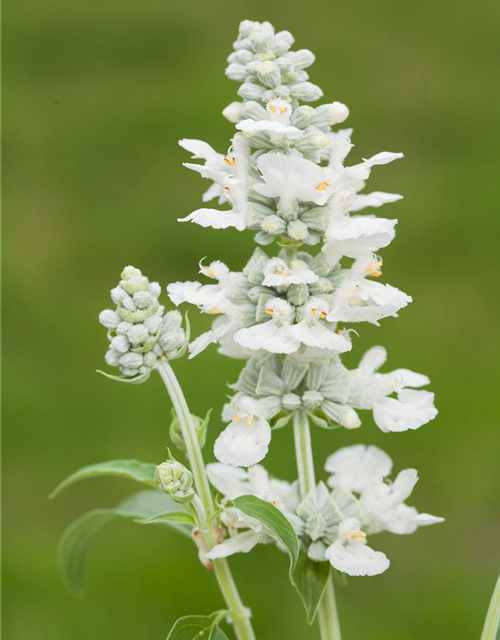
{"points": [[239, 615], [492, 622], [327, 613]]}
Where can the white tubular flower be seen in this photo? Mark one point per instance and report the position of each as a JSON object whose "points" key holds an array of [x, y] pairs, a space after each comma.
{"points": [[233, 482], [231, 176], [357, 237], [353, 467], [384, 509], [291, 178], [359, 300], [316, 331], [274, 335], [209, 298], [277, 273], [351, 554], [245, 441], [370, 390]]}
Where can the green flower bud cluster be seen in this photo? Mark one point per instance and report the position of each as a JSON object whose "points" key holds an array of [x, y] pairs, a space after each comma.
{"points": [[139, 331], [176, 480], [263, 63], [320, 387]]}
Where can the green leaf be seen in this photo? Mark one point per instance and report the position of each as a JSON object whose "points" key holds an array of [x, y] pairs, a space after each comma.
{"points": [[135, 380], [196, 627], [277, 524], [133, 469], [182, 517], [201, 434], [311, 579], [75, 542]]}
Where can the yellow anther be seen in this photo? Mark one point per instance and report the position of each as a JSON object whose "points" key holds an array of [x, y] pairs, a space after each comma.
{"points": [[209, 272], [374, 270], [227, 161], [249, 421], [269, 311], [282, 313], [355, 534], [272, 108], [236, 418], [322, 315], [314, 312], [283, 273], [339, 332], [324, 185], [214, 311], [284, 110], [375, 274]]}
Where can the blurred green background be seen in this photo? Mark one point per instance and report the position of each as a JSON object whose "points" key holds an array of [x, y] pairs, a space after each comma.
{"points": [[96, 95]]}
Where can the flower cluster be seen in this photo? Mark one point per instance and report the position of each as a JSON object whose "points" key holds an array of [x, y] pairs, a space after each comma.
{"points": [[333, 524], [284, 177], [139, 331]]}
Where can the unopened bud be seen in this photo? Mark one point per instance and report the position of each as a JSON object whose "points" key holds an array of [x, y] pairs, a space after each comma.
{"points": [[174, 479]]}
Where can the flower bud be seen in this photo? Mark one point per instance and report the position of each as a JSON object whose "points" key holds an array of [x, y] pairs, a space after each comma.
{"points": [[303, 116], [253, 110], [250, 91], [297, 230], [233, 112], [109, 319], [306, 91], [174, 479], [330, 114], [269, 74], [302, 58], [291, 401], [281, 43], [236, 72], [273, 225], [312, 399]]}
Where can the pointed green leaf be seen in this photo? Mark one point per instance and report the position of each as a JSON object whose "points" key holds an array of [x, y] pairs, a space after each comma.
{"points": [[133, 469], [135, 380], [311, 579], [201, 434], [277, 524], [182, 517], [196, 627], [75, 542]]}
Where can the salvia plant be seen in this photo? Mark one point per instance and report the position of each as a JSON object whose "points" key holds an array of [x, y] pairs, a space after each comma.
{"points": [[288, 316]]}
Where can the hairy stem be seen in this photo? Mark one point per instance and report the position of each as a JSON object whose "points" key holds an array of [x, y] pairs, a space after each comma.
{"points": [[492, 622], [327, 613], [239, 615]]}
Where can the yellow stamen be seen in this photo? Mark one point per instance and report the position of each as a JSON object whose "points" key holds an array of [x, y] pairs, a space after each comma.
{"points": [[355, 534], [209, 272], [374, 270], [227, 161], [215, 311], [282, 273], [249, 421], [272, 108], [314, 312], [322, 315], [282, 313], [324, 185], [269, 311], [284, 110], [236, 418]]}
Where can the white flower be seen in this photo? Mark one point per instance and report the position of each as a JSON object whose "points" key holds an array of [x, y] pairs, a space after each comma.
{"points": [[350, 553], [274, 335], [314, 329], [410, 410], [357, 237], [234, 482], [230, 173], [209, 298], [291, 178], [369, 389], [384, 509], [359, 300], [375, 199], [245, 441], [353, 467], [277, 273]]}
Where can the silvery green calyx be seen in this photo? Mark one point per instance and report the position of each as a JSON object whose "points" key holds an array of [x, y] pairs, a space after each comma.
{"points": [[176, 480], [139, 331]]}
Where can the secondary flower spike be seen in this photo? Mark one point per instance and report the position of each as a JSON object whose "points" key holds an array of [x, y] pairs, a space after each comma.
{"points": [[291, 314]]}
